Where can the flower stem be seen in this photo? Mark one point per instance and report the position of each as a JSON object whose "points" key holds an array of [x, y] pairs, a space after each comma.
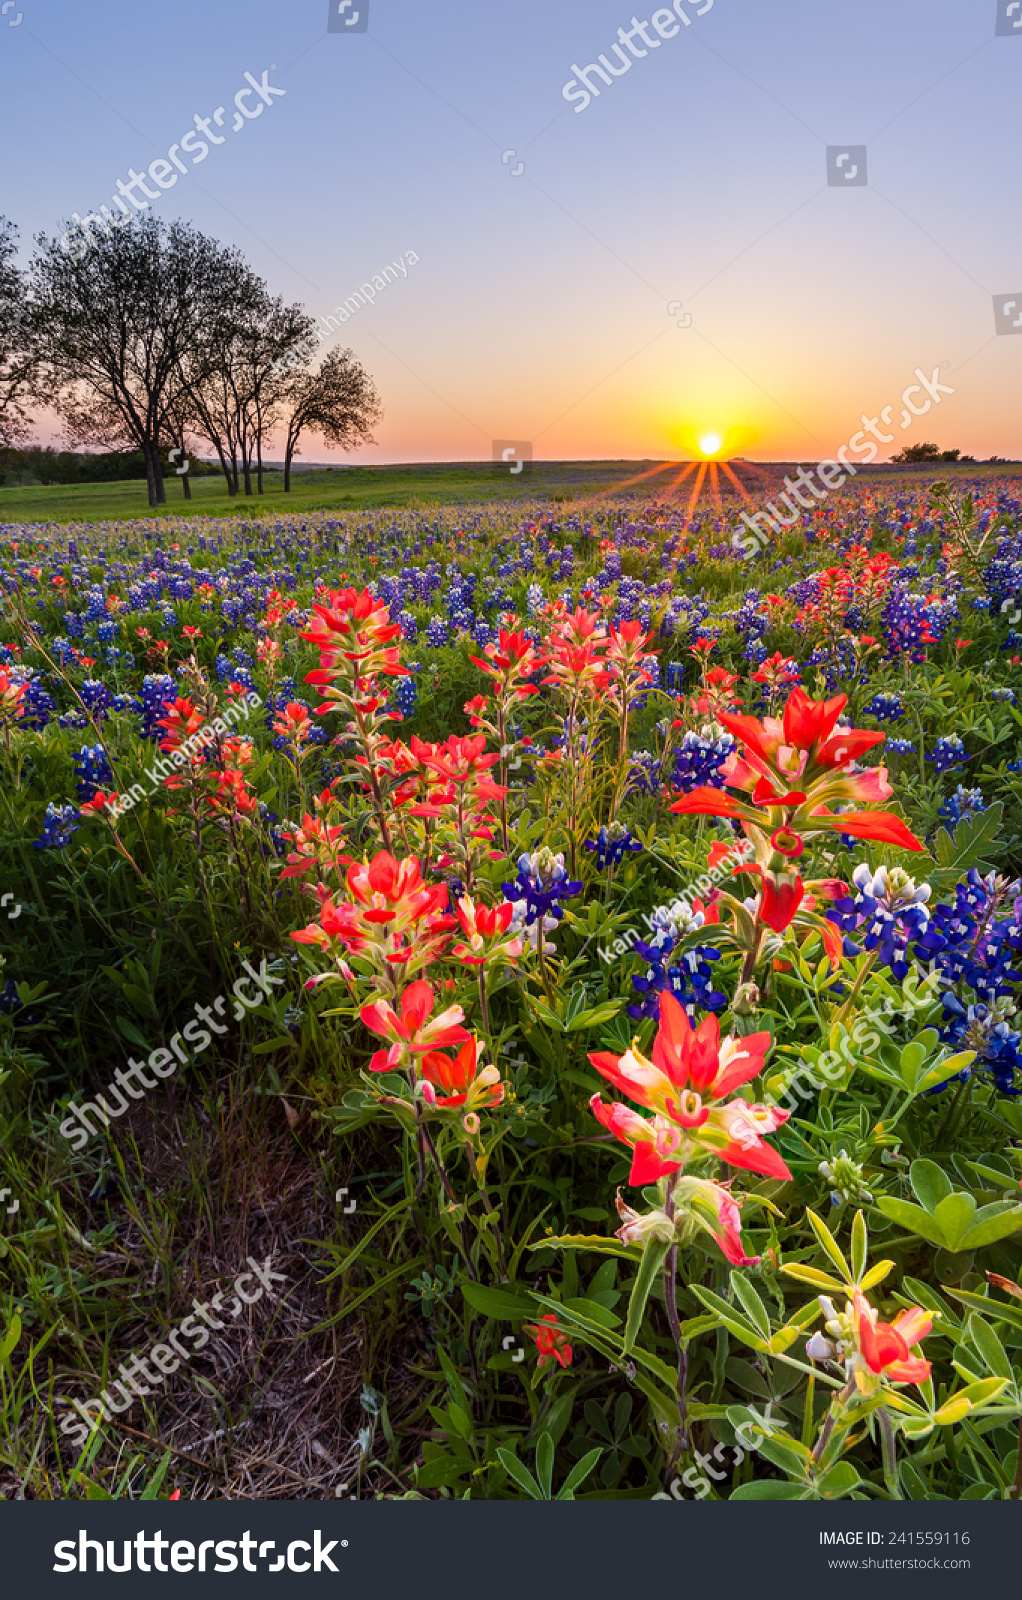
{"points": [[670, 1297], [890, 1452]]}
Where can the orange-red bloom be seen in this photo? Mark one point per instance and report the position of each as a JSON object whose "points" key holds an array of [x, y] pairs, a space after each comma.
{"points": [[550, 1341], [689, 1068]]}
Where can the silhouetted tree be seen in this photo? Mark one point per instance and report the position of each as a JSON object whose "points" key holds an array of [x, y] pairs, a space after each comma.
{"points": [[339, 401], [17, 358], [112, 326]]}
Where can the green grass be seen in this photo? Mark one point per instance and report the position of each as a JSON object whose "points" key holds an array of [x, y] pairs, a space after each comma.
{"points": [[342, 489], [357, 488]]}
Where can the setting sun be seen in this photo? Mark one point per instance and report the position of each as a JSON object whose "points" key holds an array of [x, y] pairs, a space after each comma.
{"points": [[710, 443]]}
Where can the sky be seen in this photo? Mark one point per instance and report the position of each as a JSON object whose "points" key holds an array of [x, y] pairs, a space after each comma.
{"points": [[619, 279]]}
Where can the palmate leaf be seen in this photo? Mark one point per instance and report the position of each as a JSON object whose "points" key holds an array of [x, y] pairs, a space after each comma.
{"points": [[967, 848]]}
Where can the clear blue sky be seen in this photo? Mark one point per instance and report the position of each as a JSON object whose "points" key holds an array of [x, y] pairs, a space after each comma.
{"points": [[538, 307]]}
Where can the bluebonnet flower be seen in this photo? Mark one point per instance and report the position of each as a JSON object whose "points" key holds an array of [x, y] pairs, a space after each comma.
{"points": [[987, 1030], [92, 771], [39, 707], [406, 695], [10, 1004], [906, 625], [1003, 694], [971, 943], [158, 692], [97, 697], [885, 707], [962, 804], [535, 599], [611, 844], [900, 747], [887, 912], [948, 752], [438, 633], [643, 773], [542, 883], [59, 824], [687, 977], [700, 758]]}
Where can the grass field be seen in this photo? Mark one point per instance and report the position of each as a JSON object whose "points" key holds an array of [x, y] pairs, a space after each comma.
{"points": [[357, 488]]}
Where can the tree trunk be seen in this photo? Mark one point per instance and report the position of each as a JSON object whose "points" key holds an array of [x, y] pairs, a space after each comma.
{"points": [[150, 476], [186, 486], [161, 490], [259, 461]]}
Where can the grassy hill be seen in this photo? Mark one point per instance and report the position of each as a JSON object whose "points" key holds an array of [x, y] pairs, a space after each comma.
{"points": [[355, 488]]}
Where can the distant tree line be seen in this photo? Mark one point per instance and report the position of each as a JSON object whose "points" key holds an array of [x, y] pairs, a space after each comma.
{"points": [[930, 452], [160, 337], [43, 464]]}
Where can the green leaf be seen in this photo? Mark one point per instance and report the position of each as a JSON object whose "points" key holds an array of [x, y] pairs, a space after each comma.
{"points": [[930, 1183], [860, 1246], [377, 1227], [990, 1348], [578, 1474], [497, 1304], [735, 1324], [521, 1474], [131, 1033], [911, 1059], [545, 1464], [594, 1018], [594, 1310], [812, 1275], [971, 839], [152, 1488], [442, 1472], [912, 1218], [829, 1244], [589, 1241], [839, 1482], [650, 1265], [752, 1303], [993, 1222], [770, 1489], [953, 1217], [11, 1337]]}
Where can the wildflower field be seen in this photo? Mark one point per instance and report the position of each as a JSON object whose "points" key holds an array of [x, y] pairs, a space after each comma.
{"points": [[515, 1000]]}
